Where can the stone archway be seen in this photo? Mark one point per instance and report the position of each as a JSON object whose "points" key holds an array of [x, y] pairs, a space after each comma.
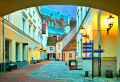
{"points": [[9, 6]]}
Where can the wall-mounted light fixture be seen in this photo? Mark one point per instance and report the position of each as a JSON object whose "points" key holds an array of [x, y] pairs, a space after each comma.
{"points": [[82, 32], [41, 49], [110, 23]]}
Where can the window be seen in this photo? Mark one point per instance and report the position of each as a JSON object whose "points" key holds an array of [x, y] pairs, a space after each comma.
{"points": [[33, 15], [44, 20], [58, 46], [34, 33], [57, 25], [29, 30], [6, 50], [51, 48], [38, 22], [52, 23], [58, 55], [49, 23], [70, 55], [39, 38], [24, 25]]}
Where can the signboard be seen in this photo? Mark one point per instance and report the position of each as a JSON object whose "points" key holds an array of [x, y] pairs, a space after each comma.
{"points": [[89, 48]]}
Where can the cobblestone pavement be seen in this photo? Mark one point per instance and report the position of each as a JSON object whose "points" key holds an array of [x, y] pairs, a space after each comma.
{"points": [[21, 75], [57, 70]]}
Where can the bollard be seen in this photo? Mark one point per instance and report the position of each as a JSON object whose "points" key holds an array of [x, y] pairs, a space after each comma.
{"points": [[86, 73]]}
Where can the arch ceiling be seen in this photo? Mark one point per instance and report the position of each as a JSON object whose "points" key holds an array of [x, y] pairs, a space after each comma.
{"points": [[9, 6]]}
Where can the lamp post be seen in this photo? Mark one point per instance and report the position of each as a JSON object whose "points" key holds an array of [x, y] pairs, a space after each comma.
{"points": [[82, 32], [110, 23]]}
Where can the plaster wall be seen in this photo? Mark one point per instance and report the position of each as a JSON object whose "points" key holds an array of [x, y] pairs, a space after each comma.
{"points": [[50, 51], [59, 50], [67, 55]]}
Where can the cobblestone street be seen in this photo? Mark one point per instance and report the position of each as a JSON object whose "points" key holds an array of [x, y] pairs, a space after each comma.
{"points": [[21, 75], [57, 70]]}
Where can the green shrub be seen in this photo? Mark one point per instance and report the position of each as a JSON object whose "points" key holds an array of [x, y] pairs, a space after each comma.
{"points": [[38, 61], [57, 59], [65, 63], [72, 60]]}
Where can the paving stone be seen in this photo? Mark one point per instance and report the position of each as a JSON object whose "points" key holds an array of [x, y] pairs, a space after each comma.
{"points": [[57, 70]]}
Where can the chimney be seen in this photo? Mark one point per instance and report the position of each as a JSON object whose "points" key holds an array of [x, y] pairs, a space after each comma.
{"points": [[61, 21], [55, 23], [68, 20]]}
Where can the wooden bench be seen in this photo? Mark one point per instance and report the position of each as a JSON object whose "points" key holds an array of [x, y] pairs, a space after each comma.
{"points": [[10, 66]]}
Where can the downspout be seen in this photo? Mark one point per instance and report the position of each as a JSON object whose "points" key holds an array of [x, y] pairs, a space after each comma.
{"points": [[62, 55], [3, 46], [55, 51]]}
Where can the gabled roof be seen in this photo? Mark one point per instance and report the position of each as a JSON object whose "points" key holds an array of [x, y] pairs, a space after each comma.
{"points": [[55, 31], [61, 37], [55, 14], [69, 45]]}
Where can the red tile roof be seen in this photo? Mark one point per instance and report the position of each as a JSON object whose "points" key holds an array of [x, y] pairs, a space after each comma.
{"points": [[61, 37]]}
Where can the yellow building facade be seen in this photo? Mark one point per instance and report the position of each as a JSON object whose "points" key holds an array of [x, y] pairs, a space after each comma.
{"points": [[95, 23], [22, 37]]}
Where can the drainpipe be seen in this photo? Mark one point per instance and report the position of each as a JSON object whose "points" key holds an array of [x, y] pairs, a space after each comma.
{"points": [[55, 51], [3, 46]]}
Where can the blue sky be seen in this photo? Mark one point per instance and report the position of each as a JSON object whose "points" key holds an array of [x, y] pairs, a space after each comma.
{"points": [[66, 9]]}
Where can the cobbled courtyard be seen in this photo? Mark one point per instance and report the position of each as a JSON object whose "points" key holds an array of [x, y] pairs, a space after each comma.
{"points": [[57, 70]]}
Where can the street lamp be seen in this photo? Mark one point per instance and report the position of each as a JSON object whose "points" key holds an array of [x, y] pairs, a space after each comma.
{"points": [[110, 23], [82, 32]]}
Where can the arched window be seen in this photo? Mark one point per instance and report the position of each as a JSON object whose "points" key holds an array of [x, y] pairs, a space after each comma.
{"points": [[57, 25], [44, 20], [52, 23], [49, 23]]}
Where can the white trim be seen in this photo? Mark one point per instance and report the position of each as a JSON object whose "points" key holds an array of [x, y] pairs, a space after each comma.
{"points": [[69, 53], [59, 46], [19, 33]]}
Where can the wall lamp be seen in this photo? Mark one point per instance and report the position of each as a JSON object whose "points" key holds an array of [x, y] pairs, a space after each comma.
{"points": [[110, 23], [41, 49], [82, 32]]}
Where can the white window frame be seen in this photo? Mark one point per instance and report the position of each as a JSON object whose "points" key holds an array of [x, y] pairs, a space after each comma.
{"points": [[33, 15], [34, 33], [58, 46], [24, 27], [49, 22], [30, 26], [52, 23], [57, 24], [69, 56]]}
